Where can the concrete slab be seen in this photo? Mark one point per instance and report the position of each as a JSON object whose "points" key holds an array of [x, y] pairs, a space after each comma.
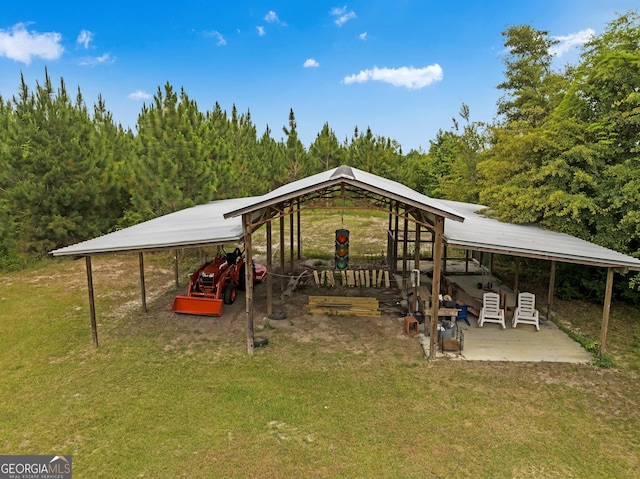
{"points": [[492, 343], [521, 344], [524, 343]]}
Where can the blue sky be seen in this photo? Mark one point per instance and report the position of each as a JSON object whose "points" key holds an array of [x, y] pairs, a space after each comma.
{"points": [[402, 68]]}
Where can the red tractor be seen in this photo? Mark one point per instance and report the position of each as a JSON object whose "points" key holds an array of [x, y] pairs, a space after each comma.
{"points": [[215, 284]]}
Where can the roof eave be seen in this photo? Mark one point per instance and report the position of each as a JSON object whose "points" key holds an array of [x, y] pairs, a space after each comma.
{"points": [[542, 255], [336, 181]]}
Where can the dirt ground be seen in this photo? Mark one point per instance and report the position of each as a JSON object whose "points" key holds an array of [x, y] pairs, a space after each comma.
{"points": [[383, 334]]}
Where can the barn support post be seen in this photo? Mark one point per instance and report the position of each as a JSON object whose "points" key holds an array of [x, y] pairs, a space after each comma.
{"points": [[248, 247], [291, 239], [281, 254], [269, 271], [142, 288], [390, 238], [92, 304], [435, 287], [605, 311], [416, 255], [444, 261], [405, 241], [552, 287], [394, 265], [175, 268], [516, 277], [298, 230]]}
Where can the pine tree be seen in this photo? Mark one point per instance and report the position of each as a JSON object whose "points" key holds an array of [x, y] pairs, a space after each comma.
{"points": [[53, 193], [325, 152], [172, 170], [296, 155]]}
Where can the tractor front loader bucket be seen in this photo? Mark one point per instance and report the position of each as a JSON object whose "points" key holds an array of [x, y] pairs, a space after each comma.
{"points": [[198, 305]]}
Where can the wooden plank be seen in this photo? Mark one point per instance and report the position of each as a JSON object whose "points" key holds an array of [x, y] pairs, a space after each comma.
{"points": [[322, 307], [345, 312], [316, 278], [342, 300], [379, 280], [327, 304], [344, 278], [473, 304], [332, 280], [373, 278], [367, 279], [351, 281], [362, 280], [443, 312], [342, 305], [387, 283]]}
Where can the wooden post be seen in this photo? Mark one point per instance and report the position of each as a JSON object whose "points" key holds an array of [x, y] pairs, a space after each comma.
{"points": [[269, 271], [435, 287], [416, 256], [142, 288], [552, 286], [298, 230], [405, 241], [246, 221], [291, 240], [390, 235], [394, 266], [606, 310], [444, 261], [282, 254], [92, 304], [466, 261], [516, 279], [175, 267]]}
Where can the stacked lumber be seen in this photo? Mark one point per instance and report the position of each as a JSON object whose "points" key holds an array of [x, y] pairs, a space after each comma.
{"points": [[354, 278], [343, 306]]}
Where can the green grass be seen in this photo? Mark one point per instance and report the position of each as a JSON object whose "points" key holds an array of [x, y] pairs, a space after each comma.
{"points": [[158, 400]]}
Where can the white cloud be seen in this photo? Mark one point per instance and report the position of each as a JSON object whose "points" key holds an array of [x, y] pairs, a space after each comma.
{"points": [[139, 95], [272, 17], [220, 41], [408, 77], [342, 16], [84, 38], [22, 45], [363, 36], [567, 42], [261, 31], [310, 63], [104, 59]]}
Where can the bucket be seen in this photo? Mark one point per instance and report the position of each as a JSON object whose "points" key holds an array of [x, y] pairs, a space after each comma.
{"points": [[444, 333]]}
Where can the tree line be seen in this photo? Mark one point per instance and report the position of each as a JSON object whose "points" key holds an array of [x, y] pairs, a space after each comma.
{"points": [[564, 152]]}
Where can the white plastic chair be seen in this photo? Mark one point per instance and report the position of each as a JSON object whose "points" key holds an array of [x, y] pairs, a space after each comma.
{"points": [[491, 311], [526, 312]]}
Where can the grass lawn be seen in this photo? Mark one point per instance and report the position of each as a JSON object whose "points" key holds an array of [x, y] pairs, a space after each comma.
{"points": [[161, 399]]}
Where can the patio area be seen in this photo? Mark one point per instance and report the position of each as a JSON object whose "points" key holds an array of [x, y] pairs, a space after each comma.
{"points": [[521, 344], [492, 343]]}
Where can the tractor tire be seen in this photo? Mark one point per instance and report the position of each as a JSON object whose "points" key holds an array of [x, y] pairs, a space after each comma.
{"points": [[260, 341], [229, 294]]}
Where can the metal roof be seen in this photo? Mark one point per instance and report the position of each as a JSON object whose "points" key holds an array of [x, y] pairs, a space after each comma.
{"points": [[199, 225], [482, 233], [357, 178], [219, 222]]}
